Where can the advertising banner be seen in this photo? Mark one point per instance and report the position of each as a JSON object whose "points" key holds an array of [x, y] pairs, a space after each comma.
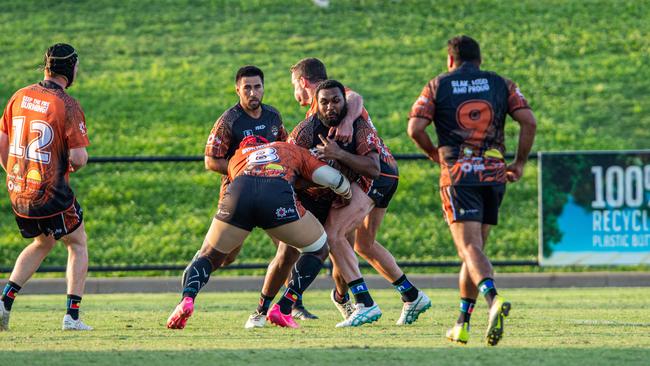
{"points": [[594, 208]]}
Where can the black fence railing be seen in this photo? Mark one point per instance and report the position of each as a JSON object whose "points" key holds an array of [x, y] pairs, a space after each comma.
{"points": [[249, 266], [253, 266], [175, 159]]}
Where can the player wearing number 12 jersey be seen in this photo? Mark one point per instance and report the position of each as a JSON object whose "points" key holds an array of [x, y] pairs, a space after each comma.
{"points": [[468, 107], [42, 139]]}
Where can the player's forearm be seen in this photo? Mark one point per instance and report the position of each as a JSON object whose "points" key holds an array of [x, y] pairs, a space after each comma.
{"points": [[418, 134], [4, 150], [216, 165], [526, 139], [527, 129], [327, 176], [367, 165], [355, 107]]}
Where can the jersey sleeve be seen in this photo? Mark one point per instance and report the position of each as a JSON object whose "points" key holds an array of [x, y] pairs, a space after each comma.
{"points": [[425, 106], [282, 134], [366, 138], [516, 99], [308, 163], [301, 135], [219, 139], [76, 134]]}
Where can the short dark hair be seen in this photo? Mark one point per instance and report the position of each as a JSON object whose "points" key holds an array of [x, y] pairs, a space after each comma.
{"points": [[249, 70], [330, 84], [464, 49], [311, 69]]}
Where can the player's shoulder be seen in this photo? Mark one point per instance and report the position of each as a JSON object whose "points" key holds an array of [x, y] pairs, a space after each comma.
{"points": [[231, 114], [305, 124], [270, 109], [497, 77]]}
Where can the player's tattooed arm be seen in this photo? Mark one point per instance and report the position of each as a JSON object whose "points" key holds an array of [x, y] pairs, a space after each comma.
{"points": [[366, 165], [527, 129], [417, 132], [345, 131], [219, 165]]}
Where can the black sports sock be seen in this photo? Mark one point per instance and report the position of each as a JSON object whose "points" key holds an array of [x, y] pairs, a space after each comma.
{"points": [[74, 302], [9, 294], [302, 275], [341, 299], [264, 304], [360, 292], [487, 289], [298, 303], [406, 288], [466, 310], [196, 276]]}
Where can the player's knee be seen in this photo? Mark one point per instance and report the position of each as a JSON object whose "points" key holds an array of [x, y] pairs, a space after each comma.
{"points": [[217, 259], [45, 244], [318, 248], [364, 248], [286, 256]]}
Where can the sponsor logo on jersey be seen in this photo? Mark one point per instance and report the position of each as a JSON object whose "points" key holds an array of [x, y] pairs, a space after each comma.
{"points": [[275, 131], [260, 127], [248, 133], [82, 128], [34, 104]]}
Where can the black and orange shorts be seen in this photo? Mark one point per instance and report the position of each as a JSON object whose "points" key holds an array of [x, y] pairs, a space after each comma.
{"points": [[250, 202], [472, 203], [58, 225]]}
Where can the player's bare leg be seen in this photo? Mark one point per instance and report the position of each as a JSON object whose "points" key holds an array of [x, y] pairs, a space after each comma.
{"points": [[76, 273], [468, 293], [27, 263], [308, 237], [340, 222], [221, 239], [468, 237], [339, 294], [415, 301]]}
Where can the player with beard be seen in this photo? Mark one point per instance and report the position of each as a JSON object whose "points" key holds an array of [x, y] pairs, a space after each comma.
{"points": [[261, 195], [306, 75], [249, 117], [359, 161]]}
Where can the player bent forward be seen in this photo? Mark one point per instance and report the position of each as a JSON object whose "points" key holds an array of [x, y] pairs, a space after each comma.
{"points": [[261, 194]]}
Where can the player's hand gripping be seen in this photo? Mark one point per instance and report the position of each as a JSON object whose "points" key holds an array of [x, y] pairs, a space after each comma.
{"points": [[514, 171], [343, 132], [329, 150]]}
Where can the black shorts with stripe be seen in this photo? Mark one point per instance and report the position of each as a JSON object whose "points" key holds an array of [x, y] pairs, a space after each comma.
{"points": [[472, 203], [58, 225]]}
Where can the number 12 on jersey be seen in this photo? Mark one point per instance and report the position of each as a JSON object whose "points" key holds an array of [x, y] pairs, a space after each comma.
{"points": [[35, 148]]}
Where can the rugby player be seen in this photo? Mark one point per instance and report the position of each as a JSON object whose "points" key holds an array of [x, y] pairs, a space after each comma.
{"points": [[250, 116], [469, 107], [43, 138], [359, 161], [261, 195], [306, 75]]}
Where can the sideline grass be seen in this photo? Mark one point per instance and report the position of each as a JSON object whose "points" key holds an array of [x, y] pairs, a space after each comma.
{"points": [[155, 74], [547, 327]]}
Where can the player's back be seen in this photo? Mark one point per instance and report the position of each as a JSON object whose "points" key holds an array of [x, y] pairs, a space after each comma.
{"points": [[469, 107], [273, 160], [43, 123]]}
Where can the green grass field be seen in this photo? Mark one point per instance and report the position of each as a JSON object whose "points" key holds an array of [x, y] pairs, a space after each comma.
{"points": [[156, 74], [546, 327]]}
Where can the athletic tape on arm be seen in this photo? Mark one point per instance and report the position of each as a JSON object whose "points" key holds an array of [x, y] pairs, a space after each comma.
{"points": [[333, 179]]}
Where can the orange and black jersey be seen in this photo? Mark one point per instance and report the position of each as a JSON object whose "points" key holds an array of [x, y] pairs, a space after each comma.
{"points": [[43, 123], [235, 124], [275, 160], [469, 107], [388, 164], [364, 141]]}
